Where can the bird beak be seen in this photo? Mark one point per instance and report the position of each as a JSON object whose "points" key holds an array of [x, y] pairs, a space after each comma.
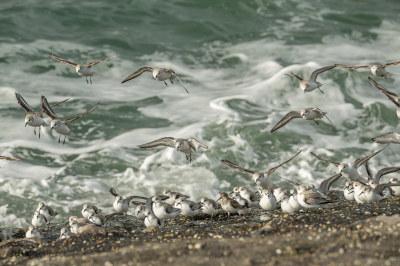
{"points": [[230, 193], [218, 199], [361, 193], [51, 129], [26, 124]]}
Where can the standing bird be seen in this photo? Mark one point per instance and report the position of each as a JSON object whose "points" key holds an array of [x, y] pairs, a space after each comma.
{"points": [[377, 70], [249, 196], [349, 171], [38, 220], [47, 211], [82, 70], [391, 137], [188, 208], [267, 200], [231, 205], [306, 113], [32, 118], [242, 201], [172, 196], [312, 83], [163, 210], [262, 179], [33, 232], [65, 233], [61, 127], [160, 74], [139, 211], [310, 199], [97, 219], [150, 219], [86, 208], [183, 145], [120, 204], [209, 206]]}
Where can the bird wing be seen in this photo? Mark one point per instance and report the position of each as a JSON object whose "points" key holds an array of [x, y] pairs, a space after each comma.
{"points": [[385, 171], [47, 109], [178, 79], [137, 203], [167, 141], [95, 63], [294, 183], [293, 75], [286, 119], [393, 100], [236, 204], [315, 74], [270, 171], [237, 167], [369, 173], [391, 137], [128, 199], [10, 158], [41, 110], [319, 158], [69, 121], [196, 145], [351, 67], [380, 187], [113, 192], [62, 60], [313, 198], [327, 183], [51, 211], [357, 163], [382, 89], [391, 64], [322, 114], [170, 209], [253, 197], [21, 101], [137, 73]]}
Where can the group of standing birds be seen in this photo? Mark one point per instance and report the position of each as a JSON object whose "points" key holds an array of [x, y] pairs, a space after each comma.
{"points": [[269, 196]]}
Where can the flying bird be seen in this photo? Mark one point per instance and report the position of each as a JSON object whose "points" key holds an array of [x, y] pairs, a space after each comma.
{"points": [[312, 83], [82, 70], [377, 70], [391, 137]]}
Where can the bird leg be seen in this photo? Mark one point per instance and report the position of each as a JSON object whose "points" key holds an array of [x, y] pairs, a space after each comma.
{"points": [[90, 79], [321, 90], [165, 83], [34, 131], [59, 139], [87, 81], [39, 132], [64, 139], [170, 79], [316, 122]]}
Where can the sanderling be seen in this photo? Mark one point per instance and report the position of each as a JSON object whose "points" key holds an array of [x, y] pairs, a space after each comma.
{"points": [[183, 145], [230, 205], [188, 208], [267, 200], [81, 70], [279, 192], [242, 201], [139, 211], [79, 220], [377, 70], [38, 219], [358, 189], [32, 118], [10, 158], [348, 191], [312, 83], [384, 171], [311, 113], [47, 211], [209, 206], [249, 196], [376, 194], [350, 170], [65, 233], [120, 204], [33, 232], [262, 179], [391, 137], [86, 208], [285, 205], [163, 210], [311, 199], [150, 219], [387, 193], [293, 202], [385, 91], [396, 189], [172, 196], [61, 127], [78, 228], [395, 103], [160, 74], [97, 219]]}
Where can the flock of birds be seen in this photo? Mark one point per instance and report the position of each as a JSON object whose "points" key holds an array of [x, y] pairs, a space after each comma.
{"points": [[269, 196]]}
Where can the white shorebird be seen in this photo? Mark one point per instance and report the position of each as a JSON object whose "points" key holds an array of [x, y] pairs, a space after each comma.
{"points": [[76, 228], [64, 233], [209, 206], [38, 220], [312, 83], [376, 194], [86, 208], [267, 200], [249, 196], [310, 199], [81, 70], [160, 74], [163, 210], [79, 220], [188, 208], [172, 196], [242, 201], [97, 219], [231, 205], [33, 232], [358, 189], [387, 191], [187, 146], [350, 170], [348, 191], [293, 202], [311, 113], [139, 211], [396, 189], [262, 179], [285, 204], [150, 219], [47, 211], [120, 204], [391, 137], [385, 91], [61, 127], [32, 118], [279, 192], [377, 70]]}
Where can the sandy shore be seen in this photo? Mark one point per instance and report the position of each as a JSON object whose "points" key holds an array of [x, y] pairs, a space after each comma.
{"points": [[348, 233]]}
